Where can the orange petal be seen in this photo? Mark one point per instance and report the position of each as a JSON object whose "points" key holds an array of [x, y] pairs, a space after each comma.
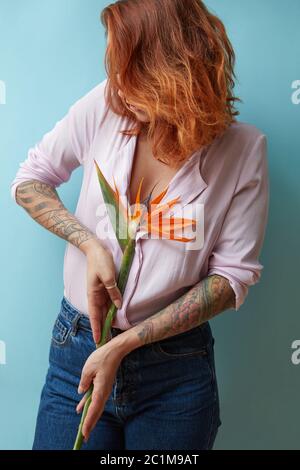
{"points": [[178, 223], [158, 231], [184, 240], [170, 235], [158, 198], [138, 208], [163, 207], [138, 196], [116, 188], [122, 207]]}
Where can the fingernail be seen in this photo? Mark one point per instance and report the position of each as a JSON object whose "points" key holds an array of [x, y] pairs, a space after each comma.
{"points": [[118, 303], [80, 390]]}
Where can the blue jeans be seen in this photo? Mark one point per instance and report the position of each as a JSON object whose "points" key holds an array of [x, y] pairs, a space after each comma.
{"points": [[165, 394]]}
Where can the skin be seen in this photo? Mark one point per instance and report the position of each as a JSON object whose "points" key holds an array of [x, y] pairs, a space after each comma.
{"points": [[43, 204], [206, 299]]}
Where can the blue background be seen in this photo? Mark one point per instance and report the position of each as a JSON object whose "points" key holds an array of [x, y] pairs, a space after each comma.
{"points": [[51, 54]]}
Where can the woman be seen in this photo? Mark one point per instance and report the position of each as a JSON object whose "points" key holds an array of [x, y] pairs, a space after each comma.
{"points": [[165, 113]]}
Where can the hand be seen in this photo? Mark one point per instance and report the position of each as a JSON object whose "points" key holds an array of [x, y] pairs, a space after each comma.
{"points": [[100, 273], [100, 369]]}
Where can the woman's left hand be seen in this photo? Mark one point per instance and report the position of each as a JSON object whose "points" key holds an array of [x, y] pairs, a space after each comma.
{"points": [[100, 369]]}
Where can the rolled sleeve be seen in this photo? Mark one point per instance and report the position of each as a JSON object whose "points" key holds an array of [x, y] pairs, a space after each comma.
{"points": [[236, 252], [64, 148]]}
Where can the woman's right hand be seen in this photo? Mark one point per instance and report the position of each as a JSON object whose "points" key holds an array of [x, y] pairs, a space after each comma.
{"points": [[43, 204], [101, 274]]}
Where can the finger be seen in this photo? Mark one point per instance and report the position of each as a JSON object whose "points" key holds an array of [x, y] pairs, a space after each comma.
{"points": [[86, 379], [102, 317], [113, 292], [81, 404], [95, 410], [107, 306], [95, 316]]}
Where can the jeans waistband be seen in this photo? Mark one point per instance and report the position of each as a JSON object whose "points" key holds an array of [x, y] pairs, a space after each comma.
{"points": [[72, 314]]}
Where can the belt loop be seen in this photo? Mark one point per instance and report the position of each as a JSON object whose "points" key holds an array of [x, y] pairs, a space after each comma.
{"points": [[75, 324]]}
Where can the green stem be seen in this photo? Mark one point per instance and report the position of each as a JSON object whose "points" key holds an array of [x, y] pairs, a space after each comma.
{"points": [[122, 280]]}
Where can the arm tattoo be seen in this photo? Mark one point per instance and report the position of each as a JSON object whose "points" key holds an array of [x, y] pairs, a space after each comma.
{"points": [[206, 299], [42, 203]]}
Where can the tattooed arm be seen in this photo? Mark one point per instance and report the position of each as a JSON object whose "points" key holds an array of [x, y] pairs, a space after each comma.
{"points": [[205, 300], [43, 204]]}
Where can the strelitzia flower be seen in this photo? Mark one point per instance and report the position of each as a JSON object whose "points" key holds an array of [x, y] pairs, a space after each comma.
{"points": [[148, 216]]}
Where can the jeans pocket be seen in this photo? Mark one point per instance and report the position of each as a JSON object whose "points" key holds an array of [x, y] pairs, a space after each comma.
{"points": [[61, 330], [189, 343]]}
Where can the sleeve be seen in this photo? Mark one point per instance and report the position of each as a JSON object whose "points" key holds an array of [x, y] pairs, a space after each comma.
{"points": [[65, 147], [236, 252]]}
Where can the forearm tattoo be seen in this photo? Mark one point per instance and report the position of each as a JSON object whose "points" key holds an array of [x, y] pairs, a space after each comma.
{"points": [[206, 299], [43, 204]]}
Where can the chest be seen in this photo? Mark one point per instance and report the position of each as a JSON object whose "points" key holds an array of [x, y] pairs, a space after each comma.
{"points": [[156, 175]]}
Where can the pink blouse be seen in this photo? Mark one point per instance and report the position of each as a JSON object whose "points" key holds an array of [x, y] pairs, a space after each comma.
{"points": [[226, 183]]}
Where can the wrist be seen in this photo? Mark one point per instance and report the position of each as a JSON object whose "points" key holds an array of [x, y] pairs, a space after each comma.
{"points": [[91, 244], [125, 342]]}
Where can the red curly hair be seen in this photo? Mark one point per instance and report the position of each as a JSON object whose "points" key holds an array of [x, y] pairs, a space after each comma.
{"points": [[173, 59]]}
